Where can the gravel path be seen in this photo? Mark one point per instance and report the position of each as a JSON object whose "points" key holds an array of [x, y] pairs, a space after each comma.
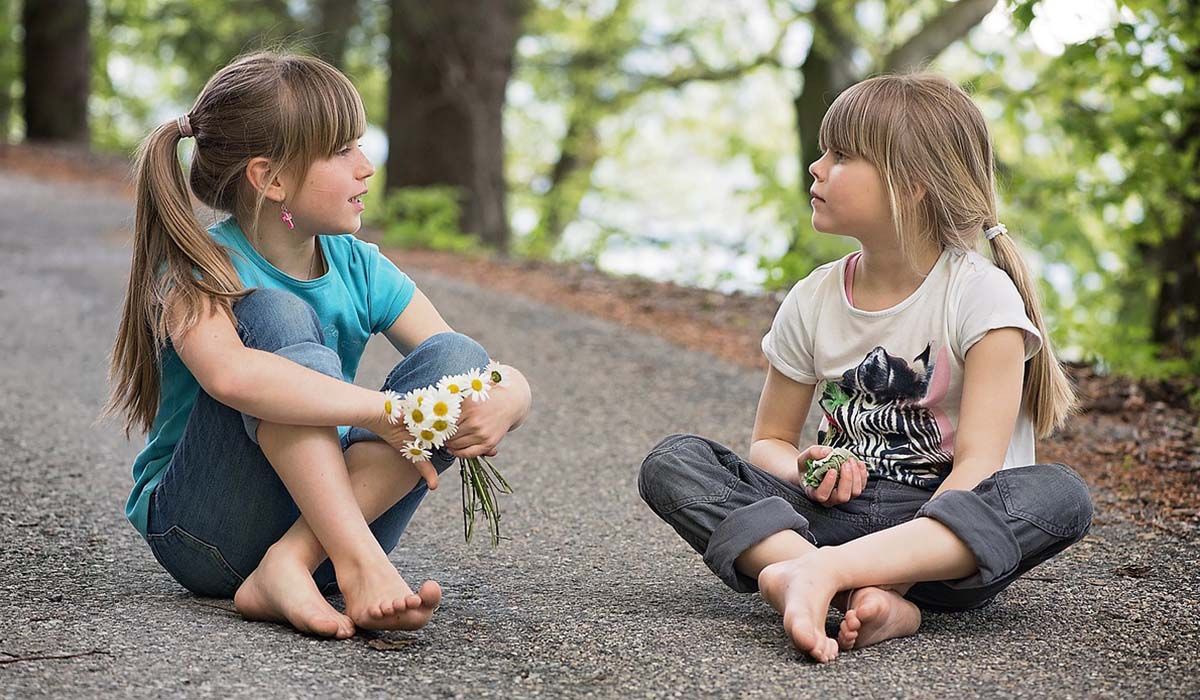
{"points": [[592, 596]]}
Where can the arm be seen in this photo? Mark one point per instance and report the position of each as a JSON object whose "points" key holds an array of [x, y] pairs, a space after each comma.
{"points": [[991, 400], [481, 426], [782, 410], [265, 385]]}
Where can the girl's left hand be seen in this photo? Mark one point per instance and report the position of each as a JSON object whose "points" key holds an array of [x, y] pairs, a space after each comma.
{"points": [[481, 426]]}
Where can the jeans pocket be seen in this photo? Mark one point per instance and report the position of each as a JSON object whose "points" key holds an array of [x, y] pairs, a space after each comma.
{"points": [[1043, 495], [196, 565]]}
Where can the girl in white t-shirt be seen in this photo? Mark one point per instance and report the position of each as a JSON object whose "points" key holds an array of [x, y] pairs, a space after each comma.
{"points": [[930, 364]]}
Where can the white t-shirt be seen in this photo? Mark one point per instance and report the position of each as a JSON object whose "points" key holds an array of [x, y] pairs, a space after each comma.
{"points": [[890, 381]]}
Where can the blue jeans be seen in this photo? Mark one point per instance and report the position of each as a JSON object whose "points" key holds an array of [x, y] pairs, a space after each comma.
{"points": [[220, 504], [722, 505]]}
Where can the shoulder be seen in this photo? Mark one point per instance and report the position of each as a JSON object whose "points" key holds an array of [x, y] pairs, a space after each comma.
{"points": [[823, 280], [348, 251], [973, 273]]}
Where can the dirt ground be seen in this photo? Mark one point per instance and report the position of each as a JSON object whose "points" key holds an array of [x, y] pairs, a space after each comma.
{"points": [[1138, 442]]}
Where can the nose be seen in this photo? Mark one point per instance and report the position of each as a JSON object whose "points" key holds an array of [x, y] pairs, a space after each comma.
{"points": [[817, 169], [365, 169]]}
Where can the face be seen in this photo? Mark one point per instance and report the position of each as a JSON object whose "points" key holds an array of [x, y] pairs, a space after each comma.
{"points": [[848, 197], [329, 201]]}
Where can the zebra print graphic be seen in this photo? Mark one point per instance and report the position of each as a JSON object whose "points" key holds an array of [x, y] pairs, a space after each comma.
{"points": [[876, 412]]}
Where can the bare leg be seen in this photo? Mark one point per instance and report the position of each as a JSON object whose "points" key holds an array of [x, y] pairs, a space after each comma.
{"points": [[919, 550], [336, 508]]}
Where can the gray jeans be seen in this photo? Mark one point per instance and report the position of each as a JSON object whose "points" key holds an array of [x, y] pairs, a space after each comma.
{"points": [[721, 505]]}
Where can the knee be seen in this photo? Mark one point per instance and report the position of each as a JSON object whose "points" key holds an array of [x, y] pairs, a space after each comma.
{"points": [[269, 319], [1070, 500], [452, 353], [669, 475]]}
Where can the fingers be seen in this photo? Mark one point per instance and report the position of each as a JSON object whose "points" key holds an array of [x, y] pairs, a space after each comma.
{"points": [[826, 487], [845, 482], [427, 472]]}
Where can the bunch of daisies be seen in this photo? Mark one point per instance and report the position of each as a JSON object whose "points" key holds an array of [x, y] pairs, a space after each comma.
{"points": [[431, 416]]}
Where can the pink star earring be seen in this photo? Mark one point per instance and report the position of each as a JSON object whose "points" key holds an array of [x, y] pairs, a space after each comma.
{"points": [[285, 215]]}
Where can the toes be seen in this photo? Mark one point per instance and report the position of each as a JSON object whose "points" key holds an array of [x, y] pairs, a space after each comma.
{"points": [[851, 621], [413, 601], [430, 594]]}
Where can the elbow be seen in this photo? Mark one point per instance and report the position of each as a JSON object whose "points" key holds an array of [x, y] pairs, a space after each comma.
{"points": [[226, 385]]}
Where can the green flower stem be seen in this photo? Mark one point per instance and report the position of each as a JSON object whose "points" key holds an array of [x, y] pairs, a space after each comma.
{"points": [[481, 483]]}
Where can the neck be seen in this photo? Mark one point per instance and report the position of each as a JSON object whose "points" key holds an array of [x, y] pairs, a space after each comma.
{"points": [[885, 268], [290, 250]]}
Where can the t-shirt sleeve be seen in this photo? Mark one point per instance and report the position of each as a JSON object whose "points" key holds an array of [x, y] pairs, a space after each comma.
{"points": [[788, 345], [992, 301], [389, 290]]}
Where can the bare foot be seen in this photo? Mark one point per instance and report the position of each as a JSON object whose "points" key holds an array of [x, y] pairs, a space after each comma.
{"points": [[875, 615], [378, 598], [282, 589], [801, 591]]}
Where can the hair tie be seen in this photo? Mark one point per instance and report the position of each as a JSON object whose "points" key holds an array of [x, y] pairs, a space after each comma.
{"points": [[185, 126], [995, 231]]}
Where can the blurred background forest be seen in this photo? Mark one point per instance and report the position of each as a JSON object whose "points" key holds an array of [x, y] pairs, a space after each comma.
{"points": [[670, 138]]}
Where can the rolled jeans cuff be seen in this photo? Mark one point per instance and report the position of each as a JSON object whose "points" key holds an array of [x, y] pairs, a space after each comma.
{"points": [[312, 355], [982, 530], [744, 528]]}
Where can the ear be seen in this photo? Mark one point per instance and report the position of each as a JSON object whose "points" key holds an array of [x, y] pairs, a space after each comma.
{"points": [[919, 192], [258, 174]]}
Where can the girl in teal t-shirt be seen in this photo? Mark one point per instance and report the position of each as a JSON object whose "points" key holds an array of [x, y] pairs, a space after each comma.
{"points": [[267, 475]]}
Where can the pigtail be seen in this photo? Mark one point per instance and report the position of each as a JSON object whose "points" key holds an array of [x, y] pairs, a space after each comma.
{"points": [[1049, 394]]}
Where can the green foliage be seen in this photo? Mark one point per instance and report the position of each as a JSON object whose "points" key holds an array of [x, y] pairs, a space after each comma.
{"points": [[1109, 196], [423, 217]]}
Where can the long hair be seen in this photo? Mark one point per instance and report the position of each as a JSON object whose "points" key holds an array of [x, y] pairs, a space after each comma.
{"points": [[290, 109], [931, 146]]}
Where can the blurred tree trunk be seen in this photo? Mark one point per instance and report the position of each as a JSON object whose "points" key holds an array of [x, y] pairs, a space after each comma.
{"points": [[1177, 309], [450, 63], [56, 67], [332, 22]]}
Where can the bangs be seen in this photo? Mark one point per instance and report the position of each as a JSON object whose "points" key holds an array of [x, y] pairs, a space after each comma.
{"points": [[860, 121], [323, 112]]}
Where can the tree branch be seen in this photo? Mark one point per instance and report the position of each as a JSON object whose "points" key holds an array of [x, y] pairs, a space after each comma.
{"points": [[949, 26]]}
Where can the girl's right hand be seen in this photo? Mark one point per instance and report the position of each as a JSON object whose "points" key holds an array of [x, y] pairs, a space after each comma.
{"points": [[396, 436], [836, 488]]}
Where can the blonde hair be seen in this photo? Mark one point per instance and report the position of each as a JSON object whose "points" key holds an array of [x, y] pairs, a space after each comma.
{"points": [[288, 108], [931, 146]]}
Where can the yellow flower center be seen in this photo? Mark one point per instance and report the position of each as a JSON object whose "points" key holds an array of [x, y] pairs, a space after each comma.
{"points": [[418, 415], [441, 409], [387, 407], [428, 435], [441, 426], [477, 384], [454, 388]]}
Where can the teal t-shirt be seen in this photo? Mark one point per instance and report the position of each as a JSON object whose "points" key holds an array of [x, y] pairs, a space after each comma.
{"points": [[361, 294]]}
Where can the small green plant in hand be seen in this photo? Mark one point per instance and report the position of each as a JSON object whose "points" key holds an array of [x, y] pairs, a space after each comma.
{"points": [[817, 468]]}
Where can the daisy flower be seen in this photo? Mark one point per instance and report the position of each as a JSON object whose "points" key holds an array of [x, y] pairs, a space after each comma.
{"points": [[444, 406], [494, 375], [477, 386], [431, 437], [416, 416], [455, 385], [416, 452], [444, 428], [393, 407]]}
